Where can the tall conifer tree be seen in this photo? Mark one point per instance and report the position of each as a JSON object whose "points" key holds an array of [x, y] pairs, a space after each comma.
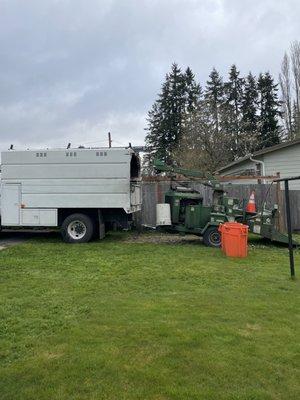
{"points": [[233, 93], [166, 119], [268, 126], [249, 111], [193, 91], [214, 97]]}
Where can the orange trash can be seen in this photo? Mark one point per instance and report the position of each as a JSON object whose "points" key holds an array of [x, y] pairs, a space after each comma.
{"points": [[234, 239]]}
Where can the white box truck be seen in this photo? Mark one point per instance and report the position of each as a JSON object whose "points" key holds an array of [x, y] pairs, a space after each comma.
{"points": [[82, 191]]}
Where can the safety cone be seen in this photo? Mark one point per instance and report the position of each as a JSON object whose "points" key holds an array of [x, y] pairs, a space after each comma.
{"points": [[251, 207]]}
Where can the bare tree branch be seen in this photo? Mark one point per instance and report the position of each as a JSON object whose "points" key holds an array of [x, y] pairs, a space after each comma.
{"points": [[286, 96]]}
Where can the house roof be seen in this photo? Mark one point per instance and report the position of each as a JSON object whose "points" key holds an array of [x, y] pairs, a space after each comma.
{"points": [[260, 153]]}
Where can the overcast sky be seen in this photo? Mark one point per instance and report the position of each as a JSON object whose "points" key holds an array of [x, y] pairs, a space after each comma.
{"points": [[72, 70]]}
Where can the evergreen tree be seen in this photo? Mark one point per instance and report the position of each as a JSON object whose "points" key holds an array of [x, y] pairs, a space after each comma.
{"points": [[193, 91], [214, 93], [154, 137], [167, 117], [269, 131], [233, 98], [230, 120], [174, 107], [249, 119]]}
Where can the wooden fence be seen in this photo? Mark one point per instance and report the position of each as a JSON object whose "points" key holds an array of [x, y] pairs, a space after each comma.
{"points": [[153, 192]]}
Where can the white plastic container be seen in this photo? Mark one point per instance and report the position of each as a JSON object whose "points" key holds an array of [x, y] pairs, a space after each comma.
{"points": [[163, 214]]}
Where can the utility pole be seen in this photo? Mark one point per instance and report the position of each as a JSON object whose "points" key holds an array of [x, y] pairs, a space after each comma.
{"points": [[109, 140]]}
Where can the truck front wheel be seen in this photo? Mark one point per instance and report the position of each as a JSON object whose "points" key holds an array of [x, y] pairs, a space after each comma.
{"points": [[77, 228], [212, 237]]}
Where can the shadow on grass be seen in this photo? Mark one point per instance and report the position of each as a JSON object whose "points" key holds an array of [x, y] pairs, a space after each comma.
{"points": [[25, 235], [10, 237]]}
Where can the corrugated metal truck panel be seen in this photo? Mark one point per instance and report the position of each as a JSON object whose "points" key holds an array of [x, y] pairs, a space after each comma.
{"points": [[66, 156], [116, 186], [70, 182], [88, 200], [65, 171]]}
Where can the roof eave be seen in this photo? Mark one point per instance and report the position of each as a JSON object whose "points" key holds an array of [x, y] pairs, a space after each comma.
{"points": [[260, 153]]}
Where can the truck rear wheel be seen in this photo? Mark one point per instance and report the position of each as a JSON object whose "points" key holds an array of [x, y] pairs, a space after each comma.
{"points": [[77, 228], [212, 237]]}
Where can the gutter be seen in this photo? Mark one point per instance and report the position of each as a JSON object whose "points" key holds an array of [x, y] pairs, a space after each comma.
{"points": [[261, 163]]}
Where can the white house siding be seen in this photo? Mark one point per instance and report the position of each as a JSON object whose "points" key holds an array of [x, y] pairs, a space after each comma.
{"points": [[286, 161], [239, 169]]}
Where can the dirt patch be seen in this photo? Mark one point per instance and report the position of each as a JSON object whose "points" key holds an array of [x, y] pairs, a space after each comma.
{"points": [[51, 356], [165, 238], [250, 330], [4, 243]]}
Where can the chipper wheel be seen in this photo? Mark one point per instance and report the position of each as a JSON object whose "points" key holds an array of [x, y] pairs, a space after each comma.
{"points": [[212, 237]]}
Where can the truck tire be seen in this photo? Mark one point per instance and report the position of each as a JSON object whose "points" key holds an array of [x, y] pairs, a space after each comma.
{"points": [[212, 237], [77, 228]]}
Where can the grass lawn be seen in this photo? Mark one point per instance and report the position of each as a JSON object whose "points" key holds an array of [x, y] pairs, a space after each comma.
{"points": [[128, 320]]}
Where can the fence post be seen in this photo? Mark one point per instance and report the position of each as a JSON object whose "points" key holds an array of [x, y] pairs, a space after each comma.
{"points": [[279, 200]]}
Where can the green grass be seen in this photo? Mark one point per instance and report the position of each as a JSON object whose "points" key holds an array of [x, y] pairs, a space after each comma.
{"points": [[118, 320]]}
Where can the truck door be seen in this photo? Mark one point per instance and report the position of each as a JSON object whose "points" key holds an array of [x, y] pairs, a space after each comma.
{"points": [[10, 204]]}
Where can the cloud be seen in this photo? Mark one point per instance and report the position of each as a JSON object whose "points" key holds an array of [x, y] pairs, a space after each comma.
{"points": [[73, 70]]}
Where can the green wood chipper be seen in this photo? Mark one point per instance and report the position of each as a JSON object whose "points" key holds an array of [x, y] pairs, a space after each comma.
{"points": [[184, 211]]}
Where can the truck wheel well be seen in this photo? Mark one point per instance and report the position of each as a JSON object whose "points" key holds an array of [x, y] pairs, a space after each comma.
{"points": [[63, 213], [112, 217]]}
